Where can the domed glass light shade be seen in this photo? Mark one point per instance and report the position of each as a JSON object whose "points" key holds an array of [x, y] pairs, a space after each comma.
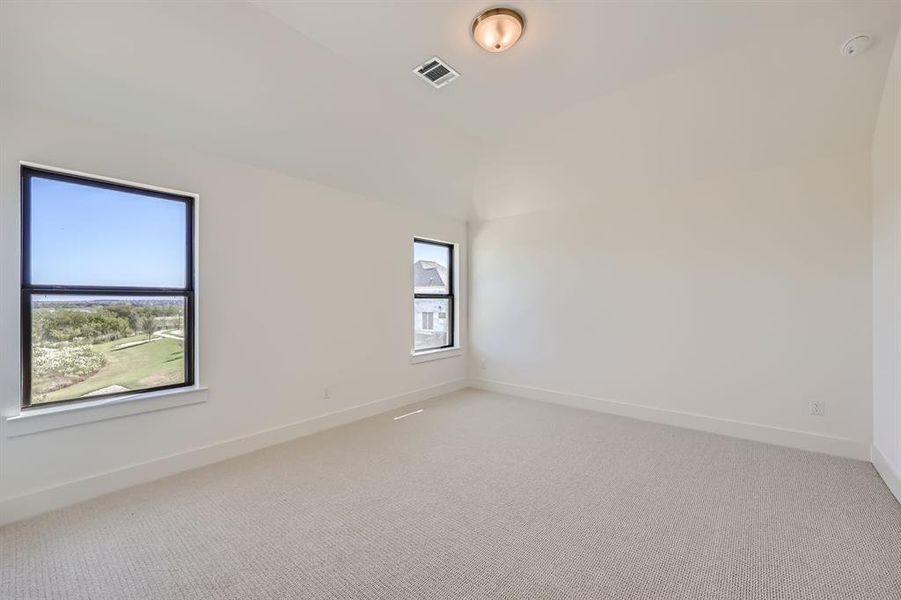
{"points": [[497, 29]]}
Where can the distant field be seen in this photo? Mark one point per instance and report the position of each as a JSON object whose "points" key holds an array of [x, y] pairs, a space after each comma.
{"points": [[156, 363]]}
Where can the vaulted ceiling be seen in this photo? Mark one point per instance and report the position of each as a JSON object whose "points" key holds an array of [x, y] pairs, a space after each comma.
{"points": [[596, 99]]}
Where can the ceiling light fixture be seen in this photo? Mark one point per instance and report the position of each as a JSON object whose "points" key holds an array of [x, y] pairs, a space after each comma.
{"points": [[497, 29]]}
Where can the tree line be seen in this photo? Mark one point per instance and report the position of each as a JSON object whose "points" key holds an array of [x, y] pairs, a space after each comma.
{"points": [[99, 324]]}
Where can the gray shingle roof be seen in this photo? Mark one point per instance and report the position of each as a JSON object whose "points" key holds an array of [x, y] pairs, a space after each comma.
{"points": [[427, 273]]}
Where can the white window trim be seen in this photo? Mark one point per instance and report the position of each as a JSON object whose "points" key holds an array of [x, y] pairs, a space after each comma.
{"points": [[437, 354], [36, 419]]}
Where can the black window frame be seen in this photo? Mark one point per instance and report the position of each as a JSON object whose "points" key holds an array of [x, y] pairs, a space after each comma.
{"points": [[449, 296], [28, 290]]}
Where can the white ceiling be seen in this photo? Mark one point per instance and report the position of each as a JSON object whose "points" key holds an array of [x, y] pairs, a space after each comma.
{"points": [[571, 51], [231, 79], [598, 96]]}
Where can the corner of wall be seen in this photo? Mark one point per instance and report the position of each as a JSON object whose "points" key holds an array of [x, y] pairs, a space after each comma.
{"points": [[885, 188]]}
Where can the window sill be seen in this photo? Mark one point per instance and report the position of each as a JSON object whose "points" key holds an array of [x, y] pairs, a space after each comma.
{"points": [[430, 355], [35, 420]]}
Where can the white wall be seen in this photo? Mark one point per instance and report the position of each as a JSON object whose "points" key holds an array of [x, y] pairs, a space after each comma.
{"points": [[740, 298], [301, 287], [886, 159]]}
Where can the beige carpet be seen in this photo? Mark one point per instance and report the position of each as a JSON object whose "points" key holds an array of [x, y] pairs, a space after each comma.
{"points": [[479, 496]]}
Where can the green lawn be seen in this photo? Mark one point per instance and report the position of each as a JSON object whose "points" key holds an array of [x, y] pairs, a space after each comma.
{"points": [[157, 363]]}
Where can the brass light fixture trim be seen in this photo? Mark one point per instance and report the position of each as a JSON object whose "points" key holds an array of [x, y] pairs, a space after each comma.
{"points": [[498, 29]]}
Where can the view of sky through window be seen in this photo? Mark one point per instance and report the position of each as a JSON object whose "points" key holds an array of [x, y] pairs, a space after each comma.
{"points": [[87, 235], [430, 252], [111, 342]]}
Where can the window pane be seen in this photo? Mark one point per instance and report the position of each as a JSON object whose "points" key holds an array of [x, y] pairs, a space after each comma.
{"points": [[91, 345], [430, 323], [87, 235], [430, 268]]}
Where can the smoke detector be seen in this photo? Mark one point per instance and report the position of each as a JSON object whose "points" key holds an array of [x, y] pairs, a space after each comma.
{"points": [[436, 72], [856, 45]]}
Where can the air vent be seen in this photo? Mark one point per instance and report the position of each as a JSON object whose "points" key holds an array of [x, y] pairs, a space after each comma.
{"points": [[436, 72]]}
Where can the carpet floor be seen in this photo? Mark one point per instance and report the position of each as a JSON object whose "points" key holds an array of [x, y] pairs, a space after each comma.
{"points": [[479, 496]]}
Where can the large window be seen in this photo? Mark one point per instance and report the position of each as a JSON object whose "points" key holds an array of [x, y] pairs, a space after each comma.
{"points": [[107, 289], [433, 295]]}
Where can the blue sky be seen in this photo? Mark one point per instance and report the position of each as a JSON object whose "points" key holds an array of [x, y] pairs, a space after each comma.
{"points": [[431, 252], [82, 235]]}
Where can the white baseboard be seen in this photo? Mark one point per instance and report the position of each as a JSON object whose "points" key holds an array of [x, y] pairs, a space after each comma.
{"points": [[889, 475], [804, 440], [52, 498]]}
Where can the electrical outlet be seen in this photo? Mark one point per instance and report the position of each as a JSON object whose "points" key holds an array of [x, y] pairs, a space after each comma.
{"points": [[818, 408], [325, 394]]}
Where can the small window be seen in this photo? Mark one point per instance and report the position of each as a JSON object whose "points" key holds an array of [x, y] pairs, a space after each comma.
{"points": [[433, 294], [107, 289]]}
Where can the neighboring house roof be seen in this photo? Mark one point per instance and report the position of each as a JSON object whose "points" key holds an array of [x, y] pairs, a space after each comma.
{"points": [[427, 273]]}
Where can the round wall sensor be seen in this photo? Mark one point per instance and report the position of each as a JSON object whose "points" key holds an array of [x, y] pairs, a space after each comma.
{"points": [[856, 45]]}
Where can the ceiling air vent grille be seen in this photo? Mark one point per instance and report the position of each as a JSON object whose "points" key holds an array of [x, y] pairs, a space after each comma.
{"points": [[436, 72]]}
